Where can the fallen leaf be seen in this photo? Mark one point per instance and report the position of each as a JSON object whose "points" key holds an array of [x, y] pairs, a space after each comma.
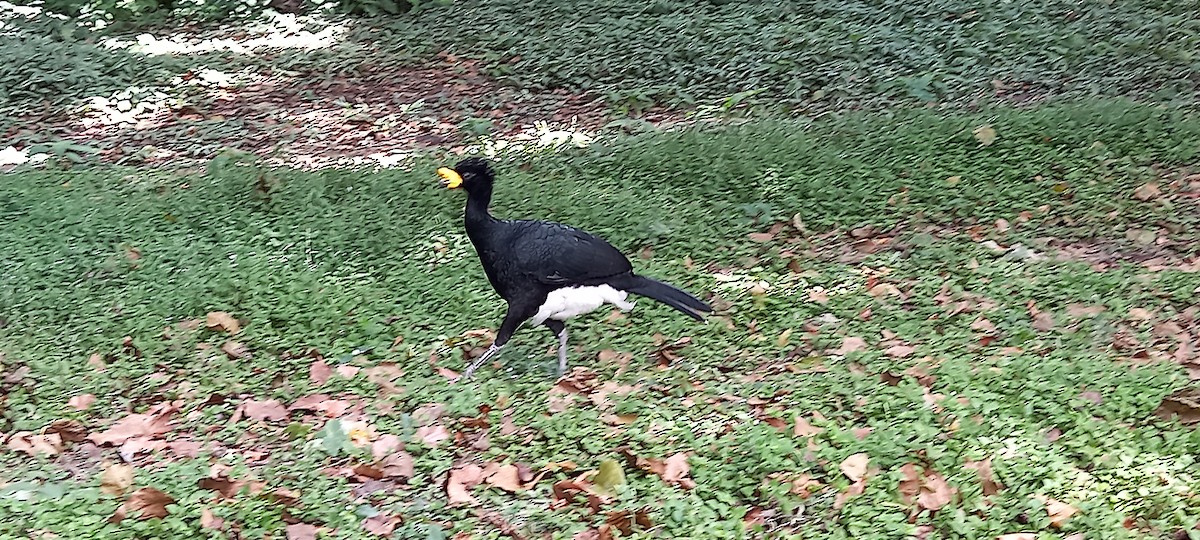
{"points": [[761, 237], [609, 476], [855, 466], [35, 444], [1147, 191], [983, 469], [1078, 311], [1002, 225], [301, 531], [819, 296], [935, 492], [1140, 314], [983, 325], [1183, 403], [985, 134], [910, 482], [953, 180], [210, 521], [151, 424], [506, 478], [347, 371], [385, 445], [381, 524], [433, 435], [398, 465], [507, 427], [97, 362], [900, 351], [1043, 322], [676, 468], [1058, 511], [235, 349], [803, 428], [222, 320], [116, 479], [853, 490], [319, 372], [81, 402], [849, 345], [268, 410], [460, 482], [148, 502]]}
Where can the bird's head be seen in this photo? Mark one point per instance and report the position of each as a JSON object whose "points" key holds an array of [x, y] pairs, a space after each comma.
{"points": [[467, 174]]}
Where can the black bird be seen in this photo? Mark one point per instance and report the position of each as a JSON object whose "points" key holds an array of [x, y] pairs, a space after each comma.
{"points": [[548, 272]]}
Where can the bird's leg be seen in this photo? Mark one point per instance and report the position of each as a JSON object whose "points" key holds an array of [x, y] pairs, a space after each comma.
{"points": [[562, 351], [512, 319], [483, 358], [560, 330]]}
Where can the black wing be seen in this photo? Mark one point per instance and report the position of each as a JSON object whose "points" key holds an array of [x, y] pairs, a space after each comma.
{"points": [[560, 255]]}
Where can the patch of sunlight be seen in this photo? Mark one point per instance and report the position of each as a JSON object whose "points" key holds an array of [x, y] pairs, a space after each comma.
{"points": [[9, 10], [129, 106], [12, 156], [279, 31], [542, 137]]}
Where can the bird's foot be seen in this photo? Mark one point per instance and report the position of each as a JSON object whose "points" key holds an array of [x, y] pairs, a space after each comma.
{"points": [[483, 358]]}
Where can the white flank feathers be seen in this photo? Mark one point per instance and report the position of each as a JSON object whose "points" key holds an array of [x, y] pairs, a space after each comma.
{"points": [[562, 304]]}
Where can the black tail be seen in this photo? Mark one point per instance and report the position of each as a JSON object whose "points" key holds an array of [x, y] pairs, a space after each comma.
{"points": [[667, 294]]}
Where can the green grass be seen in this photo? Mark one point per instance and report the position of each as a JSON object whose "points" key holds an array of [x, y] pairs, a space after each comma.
{"points": [[342, 260], [822, 55]]}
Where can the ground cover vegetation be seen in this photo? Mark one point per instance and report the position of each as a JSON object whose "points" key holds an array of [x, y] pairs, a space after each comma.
{"points": [[951, 248]]}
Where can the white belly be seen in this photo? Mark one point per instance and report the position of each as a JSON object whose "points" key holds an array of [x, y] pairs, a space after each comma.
{"points": [[562, 304]]}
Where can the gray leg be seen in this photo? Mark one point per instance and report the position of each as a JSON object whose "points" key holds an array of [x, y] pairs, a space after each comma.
{"points": [[562, 351], [483, 358]]}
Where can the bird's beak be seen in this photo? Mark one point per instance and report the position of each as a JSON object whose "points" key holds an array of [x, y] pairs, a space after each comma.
{"points": [[450, 178]]}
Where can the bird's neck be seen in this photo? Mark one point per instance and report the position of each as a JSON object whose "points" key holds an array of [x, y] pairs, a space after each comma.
{"points": [[477, 207]]}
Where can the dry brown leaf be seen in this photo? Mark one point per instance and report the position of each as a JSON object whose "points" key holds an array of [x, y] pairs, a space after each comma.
{"points": [[1147, 192], [855, 466], [385, 445], [81, 402], [148, 502], [210, 521], [1140, 314], [347, 371], [433, 435], [319, 372], [1080, 311], [854, 490], [1043, 322], [222, 320], [900, 351], [849, 345], [983, 325], [761, 237], [1058, 511], [676, 468], [116, 479], [302, 531], [152, 424], [381, 524], [910, 482], [935, 492], [884, 289], [506, 477], [460, 482], [398, 465], [983, 469], [803, 428], [507, 427], [268, 410], [819, 296], [235, 349], [35, 444]]}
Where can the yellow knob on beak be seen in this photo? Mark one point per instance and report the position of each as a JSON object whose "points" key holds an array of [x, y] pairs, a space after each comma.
{"points": [[450, 177]]}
